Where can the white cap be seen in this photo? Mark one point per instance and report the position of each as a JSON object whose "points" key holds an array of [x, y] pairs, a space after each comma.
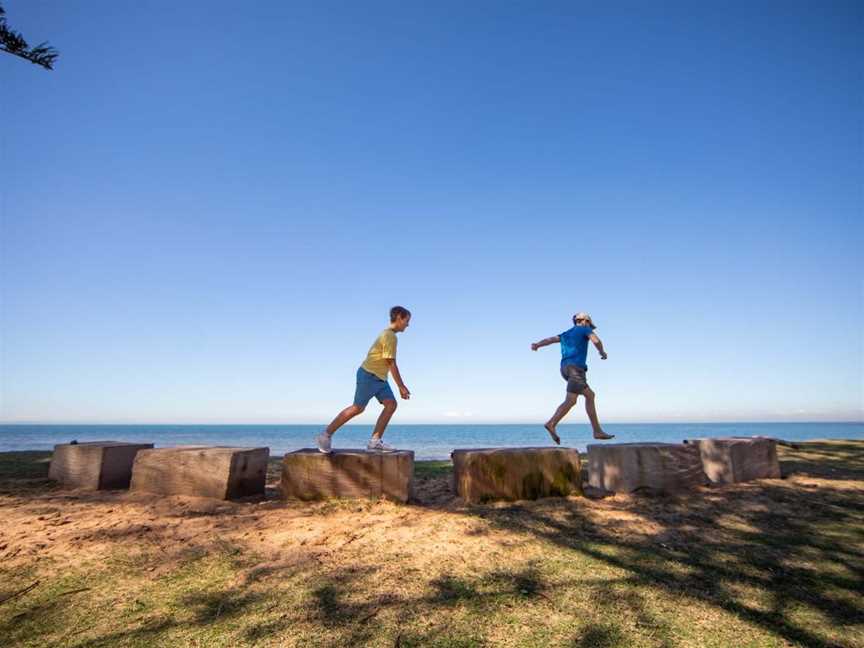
{"points": [[584, 316]]}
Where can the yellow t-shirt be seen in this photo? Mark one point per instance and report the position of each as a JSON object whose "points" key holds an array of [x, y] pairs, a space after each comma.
{"points": [[383, 348]]}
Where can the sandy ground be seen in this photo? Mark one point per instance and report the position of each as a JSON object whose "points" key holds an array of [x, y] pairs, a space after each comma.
{"points": [[72, 526]]}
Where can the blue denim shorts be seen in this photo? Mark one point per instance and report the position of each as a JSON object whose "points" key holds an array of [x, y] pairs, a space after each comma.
{"points": [[369, 385]]}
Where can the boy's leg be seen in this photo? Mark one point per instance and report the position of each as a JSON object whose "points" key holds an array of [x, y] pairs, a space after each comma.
{"points": [[560, 413], [591, 410], [364, 390], [386, 414], [388, 400], [343, 417]]}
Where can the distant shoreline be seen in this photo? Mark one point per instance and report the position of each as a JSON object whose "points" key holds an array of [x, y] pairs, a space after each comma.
{"points": [[428, 441], [448, 423]]}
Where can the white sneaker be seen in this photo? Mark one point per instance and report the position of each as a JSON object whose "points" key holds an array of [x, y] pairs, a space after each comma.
{"points": [[323, 442], [377, 445]]}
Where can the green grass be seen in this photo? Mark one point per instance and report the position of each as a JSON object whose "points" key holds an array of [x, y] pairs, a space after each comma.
{"points": [[768, 564], [24, 465], [426, 469], [24, 472]]}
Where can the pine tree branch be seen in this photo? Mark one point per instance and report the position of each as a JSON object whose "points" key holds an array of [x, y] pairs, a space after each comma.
{"points": [[13, 43]]}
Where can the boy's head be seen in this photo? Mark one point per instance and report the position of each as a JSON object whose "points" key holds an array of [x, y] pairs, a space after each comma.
{"points": [[400, 317], [583, 319]]}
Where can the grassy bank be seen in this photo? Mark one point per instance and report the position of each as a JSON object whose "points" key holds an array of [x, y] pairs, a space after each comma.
{"points": [[771, 563]]}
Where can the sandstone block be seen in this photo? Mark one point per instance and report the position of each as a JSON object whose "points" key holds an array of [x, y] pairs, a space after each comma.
{"points": [[201, 471], [311, 475], [94, 465], [730, 460], [487, 474], [662, 467]]}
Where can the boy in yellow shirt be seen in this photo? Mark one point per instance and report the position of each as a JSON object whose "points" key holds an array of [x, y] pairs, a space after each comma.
{"points": [[372, 381]]}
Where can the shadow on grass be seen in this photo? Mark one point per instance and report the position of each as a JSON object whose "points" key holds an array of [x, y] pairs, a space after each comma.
{"points": [[331, 606], [207, 609], [449, 590], [825, 460], [786, 543], [599, 636]]}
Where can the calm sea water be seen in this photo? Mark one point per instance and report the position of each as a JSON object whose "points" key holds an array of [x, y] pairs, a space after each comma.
{"points": [[427, 441]]}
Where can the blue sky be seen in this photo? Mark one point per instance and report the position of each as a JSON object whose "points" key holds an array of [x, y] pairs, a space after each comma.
{"points": [[208, 208]]}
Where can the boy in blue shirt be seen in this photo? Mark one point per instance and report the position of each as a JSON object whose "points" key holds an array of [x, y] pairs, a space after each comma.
{"points": [[574, 352]]}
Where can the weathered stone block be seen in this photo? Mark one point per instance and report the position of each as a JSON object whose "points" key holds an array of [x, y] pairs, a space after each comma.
{"points": [[201, 471], [662, 467], [311, 475], [730, 460], [486, 474], [94, 465]]}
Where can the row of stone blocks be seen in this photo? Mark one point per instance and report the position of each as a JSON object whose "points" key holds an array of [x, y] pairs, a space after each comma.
{"points": [[232, 473], [672, 467], [480, 474], [530, 473], [200, 471]]}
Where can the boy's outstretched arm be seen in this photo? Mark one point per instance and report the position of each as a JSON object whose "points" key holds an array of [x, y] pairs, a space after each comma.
{"points": [[599, 344], [394, 370], [545, 342]]}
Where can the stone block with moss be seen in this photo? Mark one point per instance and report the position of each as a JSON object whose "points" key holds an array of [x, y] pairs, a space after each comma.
{"points": [[311, 475], [488, 474]]}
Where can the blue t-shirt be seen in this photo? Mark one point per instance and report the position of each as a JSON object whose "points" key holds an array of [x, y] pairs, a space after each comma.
{"points": [[574, 346]]}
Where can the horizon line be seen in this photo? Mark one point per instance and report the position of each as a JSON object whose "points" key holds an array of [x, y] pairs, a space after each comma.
{"points": [[460, 422]]}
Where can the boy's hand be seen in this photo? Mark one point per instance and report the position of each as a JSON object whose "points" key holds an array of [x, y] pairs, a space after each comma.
{"points": [[603, 356], [404, 393], [534, 346]]}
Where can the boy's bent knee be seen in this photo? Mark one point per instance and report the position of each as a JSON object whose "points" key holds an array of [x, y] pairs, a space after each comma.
{"points": [[357, 409], [390, 404], [589, 395]]}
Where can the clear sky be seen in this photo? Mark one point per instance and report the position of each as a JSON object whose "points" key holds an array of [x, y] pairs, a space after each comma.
{"points": [[209, 207]]}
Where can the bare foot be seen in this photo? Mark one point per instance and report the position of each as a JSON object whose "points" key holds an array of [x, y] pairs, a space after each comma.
{"points": [[551, 430], [600, 434]]}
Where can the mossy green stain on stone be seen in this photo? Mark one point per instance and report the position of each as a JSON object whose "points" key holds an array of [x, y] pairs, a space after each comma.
{"points": [[533, 485], [563, 480], [495, 469], [515, 475]]}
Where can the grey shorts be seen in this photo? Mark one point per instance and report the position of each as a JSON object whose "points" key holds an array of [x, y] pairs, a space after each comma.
{"points": [[575, 377]]}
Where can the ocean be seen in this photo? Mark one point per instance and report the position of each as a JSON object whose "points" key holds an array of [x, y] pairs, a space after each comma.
{"points": [[427, 441]]}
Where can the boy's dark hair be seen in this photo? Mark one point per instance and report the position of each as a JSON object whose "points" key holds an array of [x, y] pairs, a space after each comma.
{"points": [[399, 311]]}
